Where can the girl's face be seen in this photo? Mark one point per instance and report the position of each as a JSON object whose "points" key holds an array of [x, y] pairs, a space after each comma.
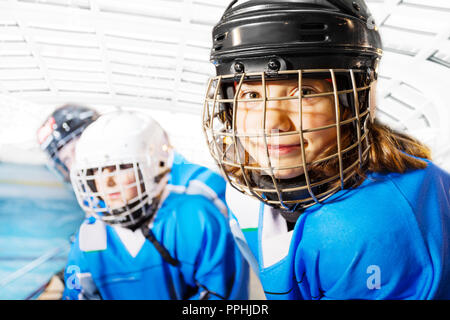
{"points": [[283, 116], [110, 187]]}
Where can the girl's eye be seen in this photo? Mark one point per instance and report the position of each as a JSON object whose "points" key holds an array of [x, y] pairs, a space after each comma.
{"points": [[109, 169], [250, 95], [126, 166], [305, 91]]}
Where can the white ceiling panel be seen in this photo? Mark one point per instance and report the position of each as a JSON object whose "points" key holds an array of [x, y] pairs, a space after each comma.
{"points": [[438, 5], [14, 48], [25, 85], [10, 34], [442, 54], [20, 74], [74, 63], [77, 75], [78, 4], [17, 62]]}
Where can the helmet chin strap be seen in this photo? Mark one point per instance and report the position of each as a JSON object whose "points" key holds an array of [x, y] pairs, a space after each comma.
{"points": [[150, 236], [292, 211]]}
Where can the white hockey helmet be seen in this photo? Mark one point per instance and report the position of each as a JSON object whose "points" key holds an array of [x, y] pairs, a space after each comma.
{"points": [[121, 168]]}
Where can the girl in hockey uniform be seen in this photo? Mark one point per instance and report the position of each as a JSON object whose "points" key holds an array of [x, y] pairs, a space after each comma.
{"points": [[57, 138], [145, 240], [348, 208]]}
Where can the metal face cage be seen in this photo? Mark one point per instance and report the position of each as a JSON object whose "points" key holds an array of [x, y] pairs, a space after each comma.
{"points": [[276, 164], [116, 193]]}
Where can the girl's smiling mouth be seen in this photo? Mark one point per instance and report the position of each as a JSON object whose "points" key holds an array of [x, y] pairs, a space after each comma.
{"points": [[283, 149]]}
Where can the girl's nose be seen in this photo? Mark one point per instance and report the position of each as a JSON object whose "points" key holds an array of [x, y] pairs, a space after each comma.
{"points": [[277, 118], [110, 180], [277, 111]]}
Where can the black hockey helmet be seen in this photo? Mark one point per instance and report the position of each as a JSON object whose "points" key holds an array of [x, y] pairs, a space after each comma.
{"points": [[263, 40], [60, 128], [295, 34]]}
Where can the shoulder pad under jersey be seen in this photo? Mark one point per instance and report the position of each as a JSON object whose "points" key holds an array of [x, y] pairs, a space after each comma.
{"points": [[92, 236]]}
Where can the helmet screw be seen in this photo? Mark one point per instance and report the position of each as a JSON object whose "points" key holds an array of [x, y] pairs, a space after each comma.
{"points": [[356, 6], [371, 74], [274, 65], [239, 67]]}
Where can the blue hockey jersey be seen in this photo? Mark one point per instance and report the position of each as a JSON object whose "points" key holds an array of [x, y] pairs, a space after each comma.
{"points": [[112, 262], [190, 178], [387, 239]]}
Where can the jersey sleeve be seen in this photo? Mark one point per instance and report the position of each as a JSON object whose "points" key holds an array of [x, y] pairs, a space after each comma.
{"points": [[204, 240]]}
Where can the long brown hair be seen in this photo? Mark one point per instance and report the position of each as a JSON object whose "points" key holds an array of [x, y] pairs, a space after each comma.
{"points": [[390, 151], [393, 151]]}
